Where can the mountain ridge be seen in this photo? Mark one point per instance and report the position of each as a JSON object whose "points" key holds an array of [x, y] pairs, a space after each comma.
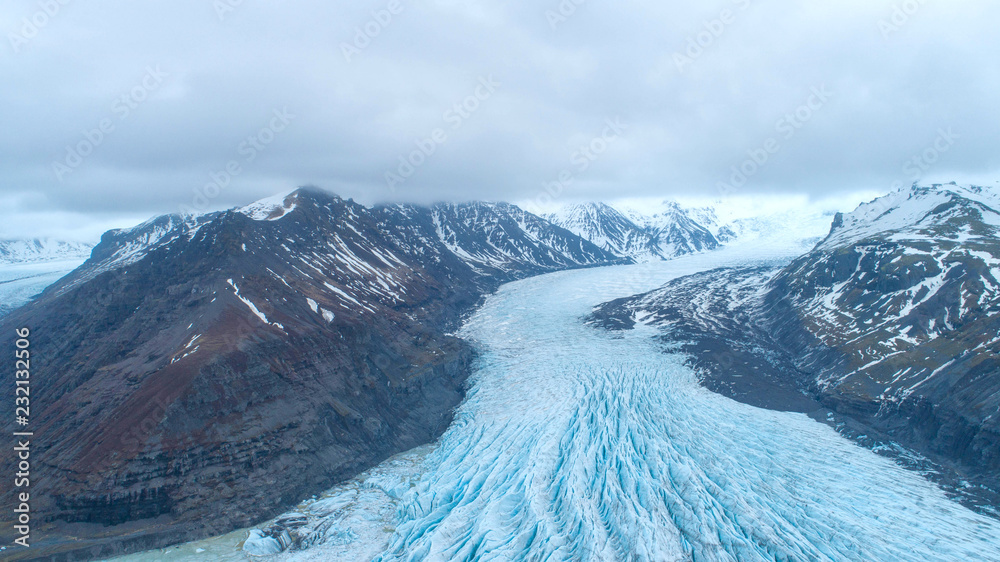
{"points": [[888, 325], [37, 250], [663, 235], [209, 372]]}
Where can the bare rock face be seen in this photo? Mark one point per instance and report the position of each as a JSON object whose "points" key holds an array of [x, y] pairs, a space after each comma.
{"points": [[896, 317], [201, 374], [891, 326]]}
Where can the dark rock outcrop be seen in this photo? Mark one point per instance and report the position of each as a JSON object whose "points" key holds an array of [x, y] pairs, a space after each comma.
{"points": [[890, 326]]}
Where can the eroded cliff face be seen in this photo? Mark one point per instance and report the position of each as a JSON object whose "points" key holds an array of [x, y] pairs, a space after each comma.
{"points": [[203, 374]]}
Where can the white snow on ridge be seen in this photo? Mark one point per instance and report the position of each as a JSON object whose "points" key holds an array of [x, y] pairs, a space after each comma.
{"points": [[271, 208], [326, 314], [42, 251], [632, 227], [907, 213], [133, 244]]}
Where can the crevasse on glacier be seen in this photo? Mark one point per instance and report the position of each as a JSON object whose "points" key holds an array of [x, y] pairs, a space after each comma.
{"points": [[575, 444], [578, 444]]}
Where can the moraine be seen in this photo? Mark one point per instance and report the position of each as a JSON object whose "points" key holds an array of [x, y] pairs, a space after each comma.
{"points": [[579, 444]]}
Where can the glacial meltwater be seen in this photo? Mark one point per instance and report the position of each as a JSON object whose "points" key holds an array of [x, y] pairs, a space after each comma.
{"points": [[579, 444]]}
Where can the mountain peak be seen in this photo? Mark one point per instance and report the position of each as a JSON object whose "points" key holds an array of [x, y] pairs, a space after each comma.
{"points": [[274, 207], [919, 212], [666, 233], [278, 206]]}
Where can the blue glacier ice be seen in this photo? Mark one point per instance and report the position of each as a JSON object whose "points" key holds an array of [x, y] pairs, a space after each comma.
{"points": [[579, 444]]}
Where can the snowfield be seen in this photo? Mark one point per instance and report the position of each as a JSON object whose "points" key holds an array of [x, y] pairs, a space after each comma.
{"points": [[579, 444]]}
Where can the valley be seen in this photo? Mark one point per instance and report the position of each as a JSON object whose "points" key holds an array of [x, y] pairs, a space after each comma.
{"points": [[575, 443]]}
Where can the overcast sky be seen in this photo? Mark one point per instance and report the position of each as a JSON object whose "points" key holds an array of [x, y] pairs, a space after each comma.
{"points": [[669, 99]]}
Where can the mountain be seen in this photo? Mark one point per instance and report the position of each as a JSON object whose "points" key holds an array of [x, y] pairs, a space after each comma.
{"points": [[634, 234], [798, 227], [506, 242], [609, 229], [27, 267], [205, 373], [42, 250], [890, 324], [646, 232], [673, 229], [896, 318]]}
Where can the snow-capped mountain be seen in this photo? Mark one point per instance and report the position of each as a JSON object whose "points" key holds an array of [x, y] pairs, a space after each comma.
{"points": [[501, 238], [676, 233], [937, 213], [648, 231], [203, 365], [892, 321], [907, 290], [42, 250], [798, 227], [609, 229], [641, 236]]}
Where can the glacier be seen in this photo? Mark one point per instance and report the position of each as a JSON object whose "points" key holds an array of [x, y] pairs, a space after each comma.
{"points": [[579, 444], [21, 282]]}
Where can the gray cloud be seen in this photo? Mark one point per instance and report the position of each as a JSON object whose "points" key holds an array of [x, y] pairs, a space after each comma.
{"points": [[693, 112]]}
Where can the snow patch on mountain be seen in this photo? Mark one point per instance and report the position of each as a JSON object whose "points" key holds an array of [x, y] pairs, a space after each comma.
{"points": [[919, 213], [271, 208]]}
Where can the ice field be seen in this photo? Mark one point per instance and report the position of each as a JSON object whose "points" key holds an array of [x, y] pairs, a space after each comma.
{"points": [[579, 444], [19, 283]]}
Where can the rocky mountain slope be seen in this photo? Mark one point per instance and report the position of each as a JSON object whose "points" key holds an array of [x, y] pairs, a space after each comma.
{"points": [[640, 236], [200, 374], [892, 323]]}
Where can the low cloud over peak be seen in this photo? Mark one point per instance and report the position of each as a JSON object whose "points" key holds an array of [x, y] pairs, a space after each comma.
{"points": [[121, 110]]}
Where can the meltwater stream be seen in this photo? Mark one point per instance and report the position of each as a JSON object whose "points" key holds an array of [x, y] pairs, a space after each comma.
{"points": [[579, 444]]}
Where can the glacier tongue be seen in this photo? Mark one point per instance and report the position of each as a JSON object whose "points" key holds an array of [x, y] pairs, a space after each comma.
{"points": [[576, 444], [579, 444]]}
